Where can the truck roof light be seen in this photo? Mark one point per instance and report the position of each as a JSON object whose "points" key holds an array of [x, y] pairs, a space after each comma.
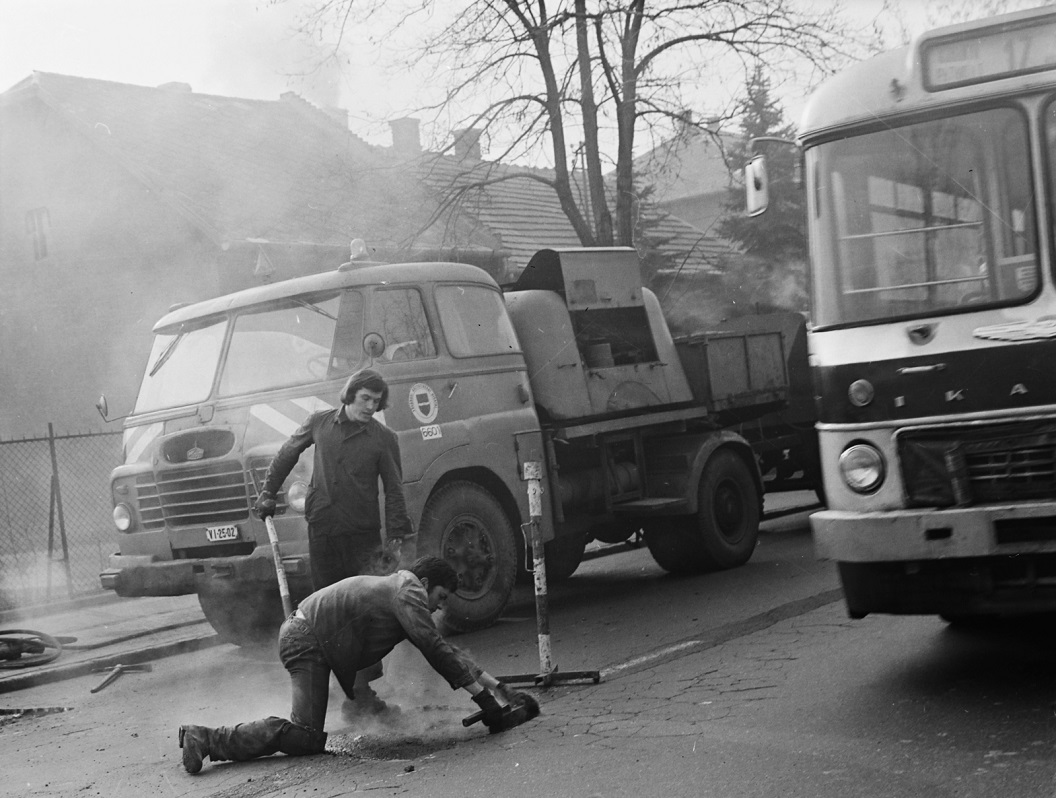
{"points": [[358, 254]]}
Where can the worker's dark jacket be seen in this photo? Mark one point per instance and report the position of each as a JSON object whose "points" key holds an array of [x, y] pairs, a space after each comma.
{"points": [[359, 620], [349, 457]]}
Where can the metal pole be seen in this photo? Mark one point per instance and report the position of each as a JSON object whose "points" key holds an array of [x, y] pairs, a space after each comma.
{"points": [[280, 572], [57, 492], [533, 473]]}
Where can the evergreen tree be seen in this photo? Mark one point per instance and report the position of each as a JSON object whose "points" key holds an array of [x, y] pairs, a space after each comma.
{"points": [[779, 234]]}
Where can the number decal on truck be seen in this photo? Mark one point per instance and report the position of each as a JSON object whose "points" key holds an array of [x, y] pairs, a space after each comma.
{"points": [[431, 432]]}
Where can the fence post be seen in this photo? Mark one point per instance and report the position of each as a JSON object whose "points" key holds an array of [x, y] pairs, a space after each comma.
{"points": [[56, 507]]}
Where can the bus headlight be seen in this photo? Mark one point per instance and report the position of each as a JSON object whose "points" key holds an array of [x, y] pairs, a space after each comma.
{"points": [[862, 468], [122, 518], [296, 495]]}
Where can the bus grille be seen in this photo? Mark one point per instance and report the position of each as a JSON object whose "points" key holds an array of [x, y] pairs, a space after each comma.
{"points": [[214, 493], [972, 465]]}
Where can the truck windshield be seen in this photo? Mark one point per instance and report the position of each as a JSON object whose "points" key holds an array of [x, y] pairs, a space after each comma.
{"points": [[181, 366], [923, 219], [290, 344]]}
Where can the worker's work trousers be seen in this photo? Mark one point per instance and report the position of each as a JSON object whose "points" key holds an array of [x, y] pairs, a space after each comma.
{"points": [[303, 733], [337, 555], [263, 738]]}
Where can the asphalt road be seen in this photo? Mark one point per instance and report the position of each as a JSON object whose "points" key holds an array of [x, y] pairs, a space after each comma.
{"points": [[747, 683]]}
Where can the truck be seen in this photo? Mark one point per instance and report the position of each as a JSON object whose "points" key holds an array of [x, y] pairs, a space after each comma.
{"points": [[929, 178], [572, 367]]}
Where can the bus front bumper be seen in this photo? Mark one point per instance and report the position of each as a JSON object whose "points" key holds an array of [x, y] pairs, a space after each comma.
{"points": [[931, 534]]}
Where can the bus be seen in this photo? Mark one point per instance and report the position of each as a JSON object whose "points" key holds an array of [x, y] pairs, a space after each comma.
{"points": [[930, 173]]}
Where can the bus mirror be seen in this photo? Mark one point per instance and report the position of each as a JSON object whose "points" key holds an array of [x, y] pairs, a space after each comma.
{"points": [[101, 406], [374, 345], [756, 186]]}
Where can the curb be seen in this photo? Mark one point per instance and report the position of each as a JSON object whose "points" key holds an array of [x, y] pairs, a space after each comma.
{"points": [[54, 608], [21, 681]]}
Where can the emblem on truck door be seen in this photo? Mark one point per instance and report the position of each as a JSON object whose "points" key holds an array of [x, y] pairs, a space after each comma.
{"points": [[423, 403]]}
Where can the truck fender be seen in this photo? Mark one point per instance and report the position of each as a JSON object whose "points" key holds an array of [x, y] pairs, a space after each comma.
{"points": [[454, 465]]}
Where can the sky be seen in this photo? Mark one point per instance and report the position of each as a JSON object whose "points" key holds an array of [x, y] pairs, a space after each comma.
{"points": [[241, 48]]}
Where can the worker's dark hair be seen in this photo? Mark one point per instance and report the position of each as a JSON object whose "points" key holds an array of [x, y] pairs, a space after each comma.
{"points": [[438, 572], [369, 379]]}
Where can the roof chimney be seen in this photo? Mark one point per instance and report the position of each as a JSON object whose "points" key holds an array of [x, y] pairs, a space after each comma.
{"points": [[467, 143], [406, 142]]}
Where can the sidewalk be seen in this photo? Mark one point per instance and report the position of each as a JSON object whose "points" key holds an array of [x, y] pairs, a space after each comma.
{"points": [[109, 631]]}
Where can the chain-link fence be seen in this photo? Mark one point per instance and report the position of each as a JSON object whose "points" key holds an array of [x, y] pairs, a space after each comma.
{"points": [[56, 530]]}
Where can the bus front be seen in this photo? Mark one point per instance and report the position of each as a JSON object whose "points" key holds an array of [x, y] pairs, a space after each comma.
{"points": [[930, 176]]}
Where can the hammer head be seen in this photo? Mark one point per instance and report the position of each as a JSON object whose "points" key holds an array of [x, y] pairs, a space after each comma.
{"points": [[521, 709]]}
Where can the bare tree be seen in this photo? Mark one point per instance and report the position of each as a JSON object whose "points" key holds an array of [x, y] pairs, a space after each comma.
{"points": [[577, 81]]}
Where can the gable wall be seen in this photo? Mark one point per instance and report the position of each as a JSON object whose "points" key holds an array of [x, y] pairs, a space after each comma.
{"points": [[75, 322]]}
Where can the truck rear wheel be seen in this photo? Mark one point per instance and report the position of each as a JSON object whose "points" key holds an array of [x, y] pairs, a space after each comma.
{"points": [[244, 615], [465, 524], [725, 529], [728, 510]]}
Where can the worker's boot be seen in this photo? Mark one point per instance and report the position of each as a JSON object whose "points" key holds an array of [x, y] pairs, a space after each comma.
{"points": [[194, 740], [244, 741]]}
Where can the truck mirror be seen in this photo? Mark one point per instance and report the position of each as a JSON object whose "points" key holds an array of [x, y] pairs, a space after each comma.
{"points": [[101, 406], [374, 345], [756, 186]]}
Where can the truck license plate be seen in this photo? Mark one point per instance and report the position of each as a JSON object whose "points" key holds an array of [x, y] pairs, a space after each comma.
{"points": [[220, 533]]}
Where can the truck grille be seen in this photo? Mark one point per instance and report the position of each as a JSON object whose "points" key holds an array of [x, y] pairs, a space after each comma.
{"points": [[971, 465], [214, 493]]}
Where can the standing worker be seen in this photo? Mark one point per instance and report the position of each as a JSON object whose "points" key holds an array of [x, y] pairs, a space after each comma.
{"points": [[345, 628], [352, 449]]}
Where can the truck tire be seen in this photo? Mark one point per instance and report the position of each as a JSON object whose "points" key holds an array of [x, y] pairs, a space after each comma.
{"points": [[563, 556], [675, 545], [725, 529], [248, 616], [728, 510], [464, 524]]}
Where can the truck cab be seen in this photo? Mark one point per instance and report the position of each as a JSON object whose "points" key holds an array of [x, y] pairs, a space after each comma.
{"points": [[229, 379]]}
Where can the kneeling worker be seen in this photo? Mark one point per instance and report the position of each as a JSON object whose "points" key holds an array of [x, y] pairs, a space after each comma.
{"points": [[345, 628]]}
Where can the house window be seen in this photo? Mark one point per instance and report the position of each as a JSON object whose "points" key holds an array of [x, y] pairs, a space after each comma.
{"points": [[38, 225]]}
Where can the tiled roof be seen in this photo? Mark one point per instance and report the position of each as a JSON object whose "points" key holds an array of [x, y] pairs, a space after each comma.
{"points": [[286, 171], [517, 204], [283, 171]]}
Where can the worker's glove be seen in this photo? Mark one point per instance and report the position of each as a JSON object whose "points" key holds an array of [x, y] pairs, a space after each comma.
{"points": [[490, 707], [265, 506]]}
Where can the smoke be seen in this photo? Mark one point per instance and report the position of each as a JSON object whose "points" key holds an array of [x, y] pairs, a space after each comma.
{"points": [[264, 53]]}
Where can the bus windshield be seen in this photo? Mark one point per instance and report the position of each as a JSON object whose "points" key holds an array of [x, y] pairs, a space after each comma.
{"points": [[924, 219], [181, 367]]}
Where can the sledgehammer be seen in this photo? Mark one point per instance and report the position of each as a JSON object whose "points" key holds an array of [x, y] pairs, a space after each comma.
{"points": [[521, 709]]}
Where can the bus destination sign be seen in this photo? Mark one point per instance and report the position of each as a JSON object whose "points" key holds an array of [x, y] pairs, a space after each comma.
{"points": [[989, 54]]}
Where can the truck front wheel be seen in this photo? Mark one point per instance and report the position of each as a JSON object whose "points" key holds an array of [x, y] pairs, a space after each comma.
{"points": [[245, 615], [725, 529], [465, 524]]}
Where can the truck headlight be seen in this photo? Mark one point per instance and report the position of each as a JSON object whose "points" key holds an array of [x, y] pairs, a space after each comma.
{"points": [[296, 495], [862, 468], [122, 518]]}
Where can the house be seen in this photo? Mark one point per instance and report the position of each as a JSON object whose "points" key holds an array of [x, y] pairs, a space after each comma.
{"points": [[517, 205], [691, 176], [118, 201]]}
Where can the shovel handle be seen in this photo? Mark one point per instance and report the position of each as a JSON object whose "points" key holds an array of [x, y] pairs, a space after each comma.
{"points": [[280, 572]]}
